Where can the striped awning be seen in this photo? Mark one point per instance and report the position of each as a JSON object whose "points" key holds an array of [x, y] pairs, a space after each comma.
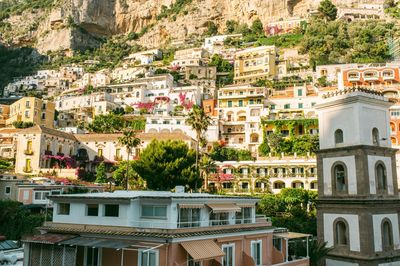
{"points": [[224, 207], [202, 249], [246, 205], [291, 235], [190, 206]]}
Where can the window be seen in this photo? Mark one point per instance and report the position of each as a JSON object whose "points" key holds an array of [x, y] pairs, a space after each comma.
{"points": [[38, 195], [229, 258], [339, 173], [338, 136], [300, 106], [189, 217], [111, 210], [256, 252], [286, 106], [229, 103], [279, 185], [219, 218], [147, 257], [27, 104], [300, 92], [375, 136], [341, 237], [387, 235], [240, 103], [27, 114], [92, 256], [92, 209], [277, 243], [154, 211], [63, 208], [43, 116], [244, 216], [100, 152], [191, 262], [8, 190], [273, 106], [381, 179], [29, 146]]}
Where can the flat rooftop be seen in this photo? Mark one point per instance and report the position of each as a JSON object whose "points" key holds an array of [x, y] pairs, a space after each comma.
{"points": [[131, 194]]}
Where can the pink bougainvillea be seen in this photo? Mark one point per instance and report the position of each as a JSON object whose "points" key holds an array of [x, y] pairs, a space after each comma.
{"points": [[185, 103], [148, 106], [69, 162]]}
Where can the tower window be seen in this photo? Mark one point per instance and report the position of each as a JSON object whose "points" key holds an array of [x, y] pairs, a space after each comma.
{"points": [[340, 180], [381, 178], [341, 234], [375, 136], [387, 235], [338, 136]]}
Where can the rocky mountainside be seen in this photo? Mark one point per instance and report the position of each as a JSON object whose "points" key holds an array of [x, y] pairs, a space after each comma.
{"points": [[76, 24]]}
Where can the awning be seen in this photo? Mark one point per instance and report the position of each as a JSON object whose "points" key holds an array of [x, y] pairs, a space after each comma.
{"points": [[246, 205], [98, 242], [291, 235], [203, 249], [48, 238], [224, 207], [191, 206]]}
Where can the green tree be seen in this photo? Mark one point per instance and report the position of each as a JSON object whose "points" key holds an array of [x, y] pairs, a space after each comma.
{"points": [[166, 164], [207, 165], [231, 26], [101, 174], [110, 123], [16, 220], [119, 176], [257, 27], [327, 10], [212, 29], [130, 141], [221, 64], [199, 121]]}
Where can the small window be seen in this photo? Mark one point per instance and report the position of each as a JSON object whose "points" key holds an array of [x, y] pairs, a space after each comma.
{"points": [[111, 210], [341, 233], [191, 262], [148, 258], [92, 209], [256, 252], [277, 243], [375, 136], [387, 236], [381, 177], [154, 211], [338, 136], [339, 173], [38, 195], [8, 190], [63, 208]]}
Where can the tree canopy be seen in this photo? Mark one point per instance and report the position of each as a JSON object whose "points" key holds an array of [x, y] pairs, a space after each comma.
{"points": [[112, 123], [166, 164], [221, 153], [327, 10]]}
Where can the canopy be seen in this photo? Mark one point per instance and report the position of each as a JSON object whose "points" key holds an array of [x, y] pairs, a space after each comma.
{"points": [[291, 235], [203, 249], [98, 242], [224, 207], [191, 206]]}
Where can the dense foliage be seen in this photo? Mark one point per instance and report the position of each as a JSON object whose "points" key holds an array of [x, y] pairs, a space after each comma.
{"points": [[11, 7], [16, 221], [166, 164], [292, 208], [119, 176], [22, 124], [174, 9], [330, 42], [223, 66], [112, 123], [327, 10], [221, 153]]}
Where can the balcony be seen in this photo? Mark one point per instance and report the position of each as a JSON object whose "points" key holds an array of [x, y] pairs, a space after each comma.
{"points": [[48, 153], [117, 158], [28, 152]]}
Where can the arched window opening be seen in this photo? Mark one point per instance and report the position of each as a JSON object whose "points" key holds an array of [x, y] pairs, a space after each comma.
{"points": [[340, 178], [341, 233], [381, 177], [375, 136], [387, 236], [338, 136]]}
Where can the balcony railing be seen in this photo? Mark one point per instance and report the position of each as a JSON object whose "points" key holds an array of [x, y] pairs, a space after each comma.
{"points": [[117, 158], [28, 152]]}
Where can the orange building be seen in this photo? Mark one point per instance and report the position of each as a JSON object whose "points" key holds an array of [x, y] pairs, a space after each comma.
{"points": [[370, 76]]}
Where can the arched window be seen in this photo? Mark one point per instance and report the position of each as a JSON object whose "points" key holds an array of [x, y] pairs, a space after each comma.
{"points": [[381, 179], [338, 136], [341, 235], [375, 136], [340, 180], [387, 235]]}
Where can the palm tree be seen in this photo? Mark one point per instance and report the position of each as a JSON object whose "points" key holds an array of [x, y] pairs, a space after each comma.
{"points": [[207, 164], [318, 250], [130, 141], [199, 122]]}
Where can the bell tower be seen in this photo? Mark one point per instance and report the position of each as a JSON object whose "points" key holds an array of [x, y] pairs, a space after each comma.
{"points": [[358, 202]]}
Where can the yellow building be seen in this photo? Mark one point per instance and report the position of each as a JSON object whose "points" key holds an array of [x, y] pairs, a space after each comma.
{"points": [[31, 109], [254, 64]]}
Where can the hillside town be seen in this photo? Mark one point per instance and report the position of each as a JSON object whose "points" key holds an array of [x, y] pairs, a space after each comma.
{"points": [[263, 144]]}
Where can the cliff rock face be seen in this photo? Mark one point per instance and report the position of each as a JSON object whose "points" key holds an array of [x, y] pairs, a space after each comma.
{"points": [[76, 24]]}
